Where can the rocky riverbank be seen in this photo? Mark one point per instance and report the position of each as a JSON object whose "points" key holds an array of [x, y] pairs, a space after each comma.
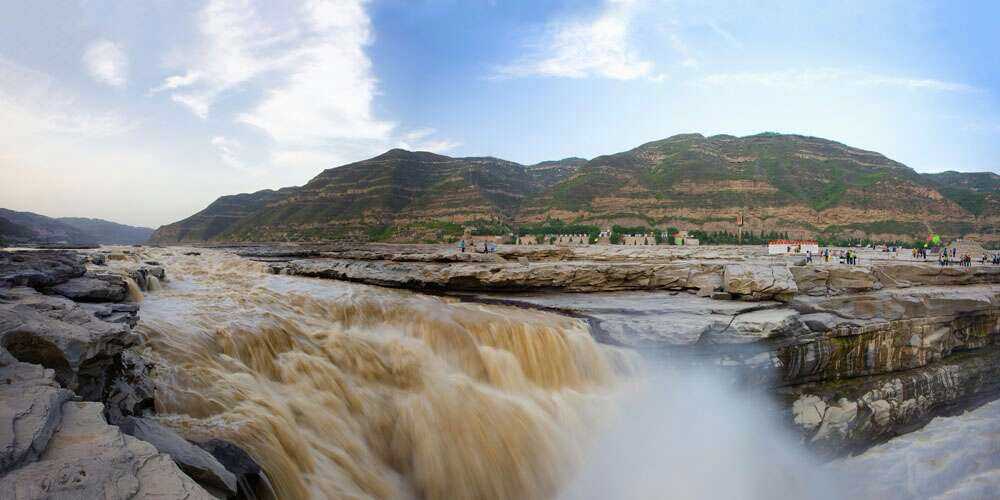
{"points": [[857, 354], [77, 399]]}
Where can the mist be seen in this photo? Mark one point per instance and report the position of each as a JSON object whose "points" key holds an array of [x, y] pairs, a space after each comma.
{"points": [[688, 435]]}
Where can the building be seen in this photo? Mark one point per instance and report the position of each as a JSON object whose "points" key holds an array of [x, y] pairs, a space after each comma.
{"points": [[529, 239], [572, 239], [689, 241], [639, 239], [792, 247], [604, 238]]}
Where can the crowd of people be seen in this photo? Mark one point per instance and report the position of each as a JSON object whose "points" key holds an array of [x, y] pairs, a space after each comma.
{"points": [[945, 256]]}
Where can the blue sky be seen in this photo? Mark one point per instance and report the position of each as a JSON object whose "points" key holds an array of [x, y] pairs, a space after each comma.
{"points": [[145, 112]]}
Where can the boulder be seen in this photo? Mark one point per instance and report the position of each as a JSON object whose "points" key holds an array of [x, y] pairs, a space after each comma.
{"points": [[93, 287], [57, 333], [759, 281], [30, 410], [98, 259], [39, 268], [126, 313], [87, 458], [196, 462]]}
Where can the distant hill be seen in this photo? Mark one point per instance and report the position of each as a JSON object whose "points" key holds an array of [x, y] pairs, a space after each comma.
{"points": [[110, 233], [802, 186], [31, 228]]}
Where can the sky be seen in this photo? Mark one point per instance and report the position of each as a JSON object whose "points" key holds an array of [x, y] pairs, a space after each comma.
{"points": [[145, 112]]}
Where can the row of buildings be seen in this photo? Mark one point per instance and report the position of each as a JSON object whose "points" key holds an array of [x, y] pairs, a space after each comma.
{"points": [[603, 238]]}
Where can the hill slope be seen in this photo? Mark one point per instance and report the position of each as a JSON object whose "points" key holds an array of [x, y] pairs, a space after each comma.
{"points": [[109, 233], [805, 186], [32, 228]]}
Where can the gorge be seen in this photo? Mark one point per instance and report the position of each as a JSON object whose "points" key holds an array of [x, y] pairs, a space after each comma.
{"points": [[534, 372]]}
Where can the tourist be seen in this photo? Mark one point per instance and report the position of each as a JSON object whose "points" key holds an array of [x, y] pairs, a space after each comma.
{"points": [[809, 257], [461, 245]]}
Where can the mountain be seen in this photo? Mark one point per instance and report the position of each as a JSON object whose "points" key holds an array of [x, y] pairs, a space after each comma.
{"points": [[32, 228], [109, 233], [803, 186]]}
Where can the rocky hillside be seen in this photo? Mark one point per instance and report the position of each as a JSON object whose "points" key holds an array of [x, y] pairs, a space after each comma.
{"points": [[33, 229], [800, 185]]}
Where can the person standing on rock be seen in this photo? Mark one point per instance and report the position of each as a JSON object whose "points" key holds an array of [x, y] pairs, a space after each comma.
{"points": [[461, 246]]}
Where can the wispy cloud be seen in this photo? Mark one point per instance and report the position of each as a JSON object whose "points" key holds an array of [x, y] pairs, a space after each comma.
{"points": [[725, 35], [805, 78], [595, 47], [311, 70], [106, 62]]}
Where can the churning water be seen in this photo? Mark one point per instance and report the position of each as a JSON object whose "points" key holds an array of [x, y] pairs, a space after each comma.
{"points": [[351, 391]]}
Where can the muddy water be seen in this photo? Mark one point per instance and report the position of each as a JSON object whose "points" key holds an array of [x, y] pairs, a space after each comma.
{"points": [[349, 391]]}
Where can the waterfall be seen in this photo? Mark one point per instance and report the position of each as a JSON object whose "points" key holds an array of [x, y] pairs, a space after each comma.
{"points": [[134, 291], [342, 390]]}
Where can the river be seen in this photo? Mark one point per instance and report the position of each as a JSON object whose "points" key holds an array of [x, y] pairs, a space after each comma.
{"points": [[341, 390]]}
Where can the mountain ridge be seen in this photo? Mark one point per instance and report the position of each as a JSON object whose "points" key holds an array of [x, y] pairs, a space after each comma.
{"points": [[29, 228], [796, 184]]}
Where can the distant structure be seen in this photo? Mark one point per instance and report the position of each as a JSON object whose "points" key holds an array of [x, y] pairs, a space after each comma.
{"points": [[528, 239], [604, 237], [572, 239], [639, 239], [683, 238], [792, 247], [739, 228], [491, 238]]}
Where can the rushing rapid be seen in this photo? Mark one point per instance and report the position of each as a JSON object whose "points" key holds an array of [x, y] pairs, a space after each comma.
{"points": [[349, 391]]}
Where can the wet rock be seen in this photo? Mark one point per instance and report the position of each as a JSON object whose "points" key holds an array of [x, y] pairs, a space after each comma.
{"points": [[252, 483], [197, 463], [759, 281], [93, 287], [98, 259], [30, 410], [39, 268], [87, 458]]}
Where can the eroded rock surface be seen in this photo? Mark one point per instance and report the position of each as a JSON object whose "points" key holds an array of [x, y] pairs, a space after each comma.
{"points": [[30, 410], [87, 458]]}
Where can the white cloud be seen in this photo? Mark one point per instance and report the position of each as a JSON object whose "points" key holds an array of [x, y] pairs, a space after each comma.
{"points": [[421, 140], [599, 47], [229, 152], [806, 78], [33, 106], [107, 63], [310, 68]]}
